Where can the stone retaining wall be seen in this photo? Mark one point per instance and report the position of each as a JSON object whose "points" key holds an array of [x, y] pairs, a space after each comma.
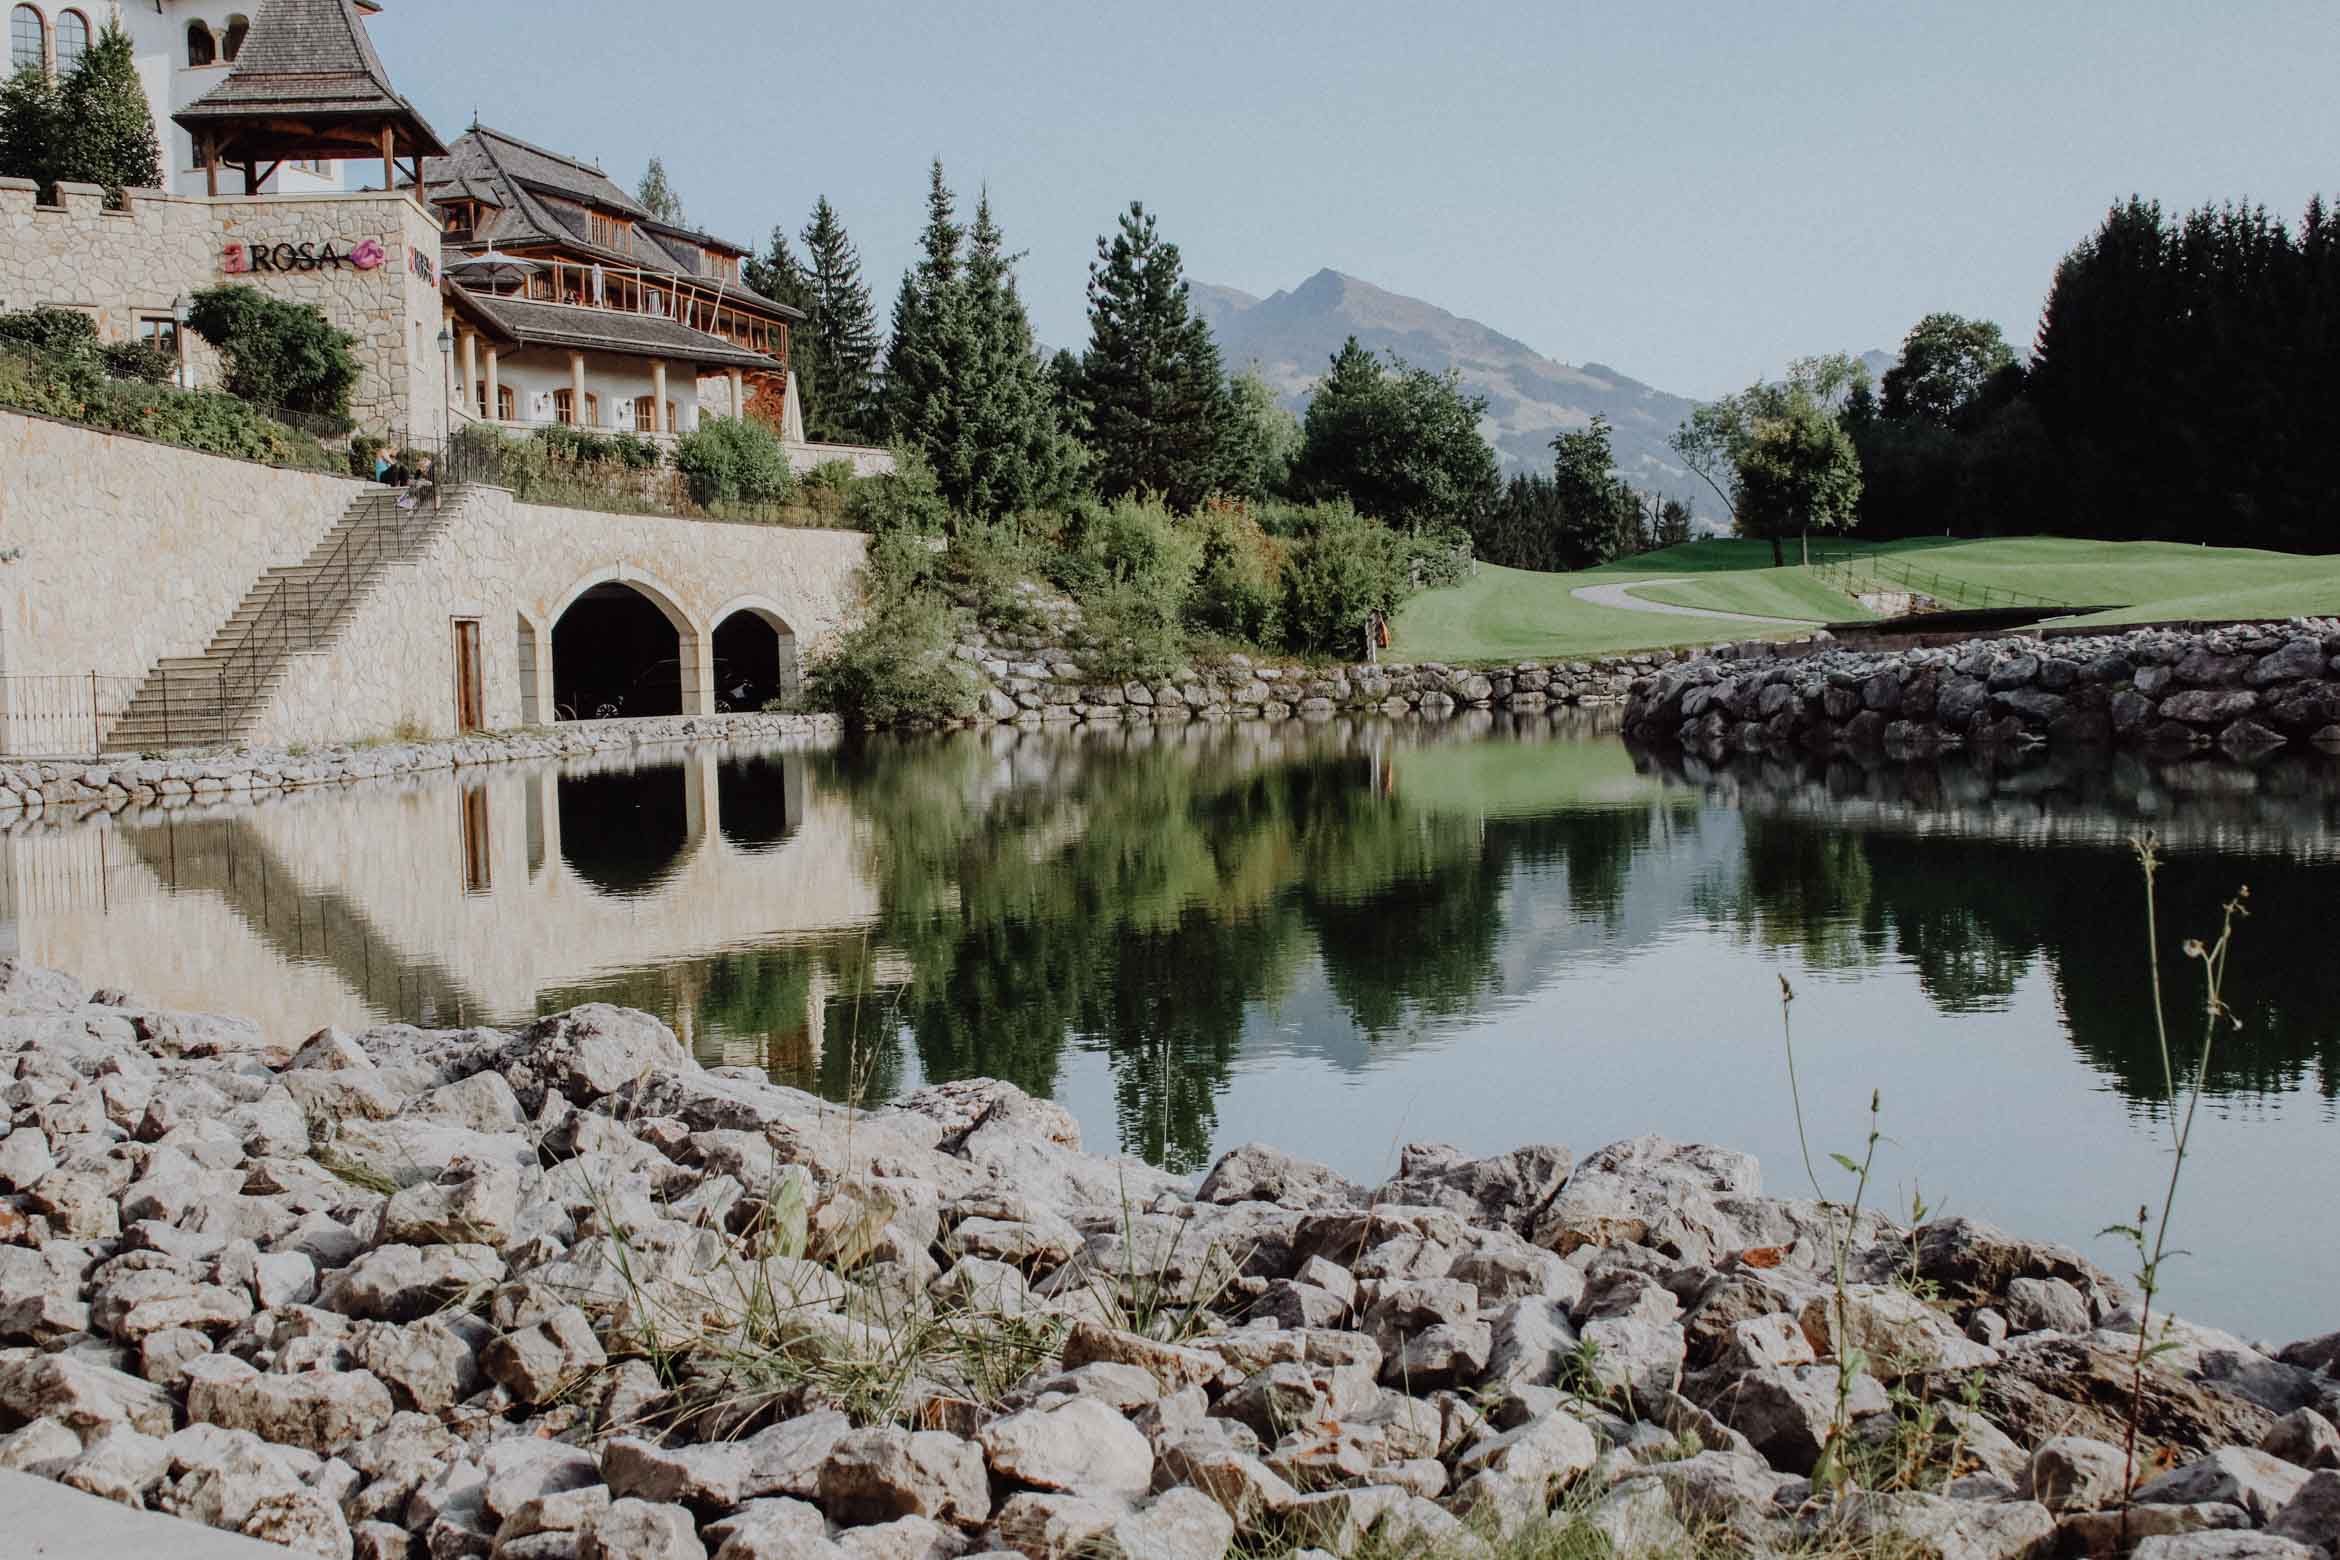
{"points": [[2249, 689], [33, 790], [1035, 679]]}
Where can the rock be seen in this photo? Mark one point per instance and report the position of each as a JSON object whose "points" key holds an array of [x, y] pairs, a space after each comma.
{"points": [[321, 1410], [1530, 1341], [42, 1441], [1931, 1527], [1244, 1487], [904, 1538], [86, 1398], [1054, 1526], [586, 1054], [1548, 1450], [119, 1465], [2313, 1515], [2073, 1473], [2046, 1305], [706, 1478], [1729, 1488], [2305, 1438], [428, 1365], [1179, 1524], [399, 1283], [639, 1530], [1650, 1191], [471, 1201], [2209, 706], [2224, 1546], [2106, 1532], [1257, 1173], [876, 1475], [1080, 1446], [2234, 1476], [786, 1459], [1507, 1190], [1171, 1364], [1789, 1411], [1899, 1333]]}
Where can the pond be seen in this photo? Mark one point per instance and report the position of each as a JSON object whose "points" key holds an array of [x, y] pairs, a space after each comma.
{"points": [[1344, 937]]}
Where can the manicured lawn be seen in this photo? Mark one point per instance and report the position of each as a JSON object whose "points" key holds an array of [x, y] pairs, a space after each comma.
{"points": [[1768, 593], [1511, 614]]}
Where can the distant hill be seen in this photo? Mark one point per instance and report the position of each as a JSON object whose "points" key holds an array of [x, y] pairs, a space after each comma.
{"points": [[1292, 336]]}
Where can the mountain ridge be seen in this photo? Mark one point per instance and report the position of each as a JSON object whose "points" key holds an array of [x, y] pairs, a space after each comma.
{"points": [[1292, 334]]}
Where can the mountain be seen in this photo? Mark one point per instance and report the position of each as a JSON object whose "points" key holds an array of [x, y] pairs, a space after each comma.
{"points": [[1292, 336]]}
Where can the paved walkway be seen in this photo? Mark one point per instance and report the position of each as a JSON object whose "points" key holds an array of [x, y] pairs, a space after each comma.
{"points": [[1620, 596], [46, 1521]]}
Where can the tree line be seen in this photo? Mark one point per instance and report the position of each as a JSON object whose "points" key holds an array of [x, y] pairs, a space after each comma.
{"points": [[2180, 388]]}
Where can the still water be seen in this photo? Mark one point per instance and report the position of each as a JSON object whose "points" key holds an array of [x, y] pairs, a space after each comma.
{"points": [[1341, 938]]}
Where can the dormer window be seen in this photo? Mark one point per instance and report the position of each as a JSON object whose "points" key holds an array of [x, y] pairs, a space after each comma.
{"points": [[606, 230], [202, 48]]}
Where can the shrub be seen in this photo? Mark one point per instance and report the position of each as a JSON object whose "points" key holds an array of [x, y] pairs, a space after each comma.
{"points": [[50, 330], [908, 498], [733, 460], [994, 563], [278, 353], [1347, 567], [1131, 632], [1436, 556], [1136, 542], [140, 362], [897, 665], [1236, 588]]}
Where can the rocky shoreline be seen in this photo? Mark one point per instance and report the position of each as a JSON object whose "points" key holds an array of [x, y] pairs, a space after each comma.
{"points": [[2248, 690], [562, 1292], [30, 788]]}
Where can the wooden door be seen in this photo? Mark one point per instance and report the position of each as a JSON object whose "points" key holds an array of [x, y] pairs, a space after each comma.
{"points": [[470, 712]]}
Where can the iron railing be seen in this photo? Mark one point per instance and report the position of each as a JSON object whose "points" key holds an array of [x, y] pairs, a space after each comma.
{"points": [[1854, 573], [62, 715]]}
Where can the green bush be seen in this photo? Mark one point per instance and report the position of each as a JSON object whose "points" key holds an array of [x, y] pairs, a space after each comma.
{"points": [[1129, 631], [1238, 587], [988, 561], [735, 460], [897, 665], [1436, 556], [50, 330], [908, 498], [1133, 541], [1346, 567], [139, 362], [278, 353]]}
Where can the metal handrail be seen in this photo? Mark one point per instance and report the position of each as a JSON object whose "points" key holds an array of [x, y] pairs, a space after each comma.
{"points": [[1933, 583]]}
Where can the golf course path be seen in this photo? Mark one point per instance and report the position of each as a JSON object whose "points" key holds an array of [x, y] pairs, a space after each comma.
{"points": [[1618, 596]]}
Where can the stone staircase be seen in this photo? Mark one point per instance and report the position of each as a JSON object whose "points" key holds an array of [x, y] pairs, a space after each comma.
{"points": [[194, 701]]}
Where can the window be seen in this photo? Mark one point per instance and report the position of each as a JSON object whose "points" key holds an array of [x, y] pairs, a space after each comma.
{"points": [[237, 26], [28, 39], [202, 49], [72, 40], [645, 414], [505, 405], [565, 407], [606, 229], [160, 332]]}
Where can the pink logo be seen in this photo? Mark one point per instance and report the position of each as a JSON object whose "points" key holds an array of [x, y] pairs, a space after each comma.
{"points": [[234, 260], [368, 255]]}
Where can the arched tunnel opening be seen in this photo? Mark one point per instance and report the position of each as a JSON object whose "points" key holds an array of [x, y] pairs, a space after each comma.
{"points": [[615, 654], [755, 661]]}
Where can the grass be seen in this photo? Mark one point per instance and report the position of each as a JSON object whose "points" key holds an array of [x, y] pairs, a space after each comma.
{"points": [[1504, 615]]}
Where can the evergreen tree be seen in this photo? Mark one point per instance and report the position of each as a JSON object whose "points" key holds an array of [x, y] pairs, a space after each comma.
{"points": [[29, 127], [1399, 442], [915, 381], [1157, 408], [1264, 440], [107, 127], [658, 196], [841, 333]]}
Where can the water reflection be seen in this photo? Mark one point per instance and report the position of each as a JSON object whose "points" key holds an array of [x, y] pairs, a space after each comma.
{"points": [[1338, 935]]}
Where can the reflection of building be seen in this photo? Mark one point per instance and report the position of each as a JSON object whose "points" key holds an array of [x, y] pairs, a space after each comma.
{"points": [[574, 305]]}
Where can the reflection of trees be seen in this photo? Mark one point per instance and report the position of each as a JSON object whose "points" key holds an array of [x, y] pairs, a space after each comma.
{"points": [[1803, 888]]}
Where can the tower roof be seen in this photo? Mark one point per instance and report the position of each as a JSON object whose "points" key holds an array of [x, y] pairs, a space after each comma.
{"points": [[308, 83]]}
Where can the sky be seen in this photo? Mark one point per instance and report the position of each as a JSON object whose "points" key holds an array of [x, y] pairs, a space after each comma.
{"points": [[1692, 192]]}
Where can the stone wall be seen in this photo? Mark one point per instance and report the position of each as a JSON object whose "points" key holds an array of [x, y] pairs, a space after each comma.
{"points": [[133, 551], [1036, 678], [2249, 689], [514, 568], [124, 266]]}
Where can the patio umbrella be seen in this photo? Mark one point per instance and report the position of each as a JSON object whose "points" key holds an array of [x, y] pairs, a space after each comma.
{"points": [[492, 268]]}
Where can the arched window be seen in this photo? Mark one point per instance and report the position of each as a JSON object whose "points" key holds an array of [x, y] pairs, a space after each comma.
{"points": [[202, 48], [72, 40], [233, 45], [28, 39]]}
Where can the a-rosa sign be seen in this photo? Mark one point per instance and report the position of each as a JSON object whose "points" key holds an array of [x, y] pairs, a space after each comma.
{"points": [[246, 259]]}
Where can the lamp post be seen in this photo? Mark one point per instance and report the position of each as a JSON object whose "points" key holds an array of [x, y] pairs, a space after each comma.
{"points": [[179, 338], [446, 380]]}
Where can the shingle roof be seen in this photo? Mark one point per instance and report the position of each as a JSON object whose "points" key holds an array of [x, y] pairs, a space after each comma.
{"points": [[529, 183], [609, 330], [308, 60]]}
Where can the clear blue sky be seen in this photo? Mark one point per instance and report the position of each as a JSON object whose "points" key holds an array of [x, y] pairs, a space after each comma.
{"points": [[1692, 191]]}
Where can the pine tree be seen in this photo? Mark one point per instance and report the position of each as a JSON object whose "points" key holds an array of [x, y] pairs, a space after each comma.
{"points": [[924, 310], [658, 196], [842, 331], [29, 127], [1007, 453], [1158, 412], [107, 126]]}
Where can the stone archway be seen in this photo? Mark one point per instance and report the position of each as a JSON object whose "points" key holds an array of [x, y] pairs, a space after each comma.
{"points": [[624, 647], [755, 656]]}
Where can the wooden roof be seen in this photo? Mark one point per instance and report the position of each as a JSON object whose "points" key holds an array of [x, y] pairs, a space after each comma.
{"points": [[308, 84]]}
